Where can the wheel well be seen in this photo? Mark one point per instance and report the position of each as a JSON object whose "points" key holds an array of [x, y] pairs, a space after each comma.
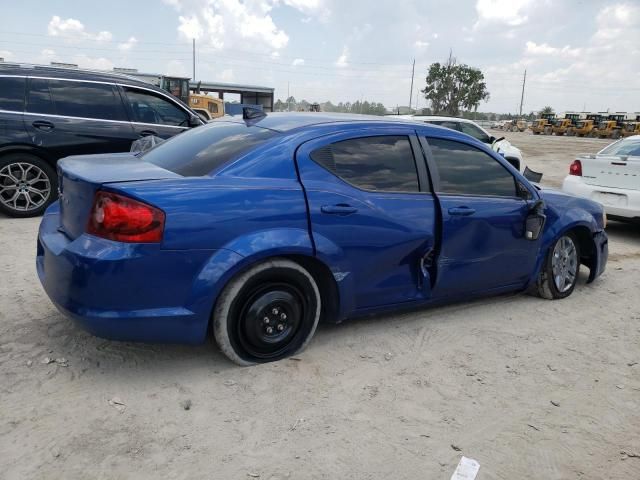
{"points": [[29, 150], [326, 284], [587, 246]]}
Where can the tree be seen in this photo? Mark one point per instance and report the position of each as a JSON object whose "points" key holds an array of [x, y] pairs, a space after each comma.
{"points": [[279, 106], [291, 104], [452, 87], [546, 110]]}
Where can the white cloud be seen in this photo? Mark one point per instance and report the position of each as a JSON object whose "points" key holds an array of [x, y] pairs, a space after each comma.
{"points": [[509, 12], [421, 44], [547, 50], [297, 62], [226, 75], [73, 30], [177, 68], [342, 59], [615, 21], [128, 45], [435, 35], [93, 63]]}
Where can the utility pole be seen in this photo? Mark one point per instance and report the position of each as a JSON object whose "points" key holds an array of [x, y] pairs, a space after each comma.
{"points": [[288, 102], [524, 80], [194, 59], [413, 71]]}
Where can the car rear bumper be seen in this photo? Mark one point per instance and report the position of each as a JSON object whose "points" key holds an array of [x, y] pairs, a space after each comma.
{"points": [[617, 202], [132, 292]]}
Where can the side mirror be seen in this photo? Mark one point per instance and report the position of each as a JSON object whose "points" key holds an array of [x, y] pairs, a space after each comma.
{"points": [[495, 140], [491, 140], [535, 221], [194, 121]]}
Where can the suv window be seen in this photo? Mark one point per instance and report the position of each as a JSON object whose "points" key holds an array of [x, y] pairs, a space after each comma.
{"points": [[12, 93], [465, 170], [384, 163], [150, 108], [87, 100], [39, 100], [474, 131], [200, 151]]}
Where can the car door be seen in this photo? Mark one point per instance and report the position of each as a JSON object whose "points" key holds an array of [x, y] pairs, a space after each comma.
{"points": [[76, 117], [12, 93], [153, 113], [484, 210], [372, 212]]}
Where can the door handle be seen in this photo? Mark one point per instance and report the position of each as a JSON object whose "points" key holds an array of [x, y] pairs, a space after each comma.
{"points": [[462, 211], [43, 125], [147, 133], [339, 209]]}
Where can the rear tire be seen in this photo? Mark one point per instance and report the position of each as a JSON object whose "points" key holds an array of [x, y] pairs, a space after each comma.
{"points": [[267, 313], [28, 185], [559, 273]]}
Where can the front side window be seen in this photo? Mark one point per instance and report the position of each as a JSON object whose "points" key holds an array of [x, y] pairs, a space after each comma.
{"points": [[12, 93], [87, 100], [466, 170], [475, 132], [150, 108], [383, 163]]}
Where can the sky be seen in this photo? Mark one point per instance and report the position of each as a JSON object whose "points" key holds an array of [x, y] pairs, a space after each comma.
{"points": [[579, 55]]}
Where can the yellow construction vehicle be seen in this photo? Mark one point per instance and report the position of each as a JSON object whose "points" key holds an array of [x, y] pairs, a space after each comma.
{"points": [[566, 124], [611, 127], [585, 128], [543, 124], [632, 127], [205, 106], [521, 124]]}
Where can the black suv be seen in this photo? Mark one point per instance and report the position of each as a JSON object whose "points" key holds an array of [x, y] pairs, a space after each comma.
{"points": [[47, 113]]}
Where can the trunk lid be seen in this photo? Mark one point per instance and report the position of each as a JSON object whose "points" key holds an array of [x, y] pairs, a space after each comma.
{"points": [[612, 171], [81, 176]]}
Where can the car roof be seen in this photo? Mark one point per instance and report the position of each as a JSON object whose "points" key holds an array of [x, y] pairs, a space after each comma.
{"points": [[287, 121], [441, 118], [73, 74]]}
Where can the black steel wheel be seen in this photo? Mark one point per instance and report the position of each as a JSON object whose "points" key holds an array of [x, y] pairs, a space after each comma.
{"points": [[267, 313]]}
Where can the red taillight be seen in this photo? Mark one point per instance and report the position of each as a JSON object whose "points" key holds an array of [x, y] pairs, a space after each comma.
{"points": [[576, 168], [124, 219]]}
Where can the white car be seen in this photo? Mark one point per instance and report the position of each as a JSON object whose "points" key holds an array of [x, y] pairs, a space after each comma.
{"points": [[611, 177], [512, 154]]}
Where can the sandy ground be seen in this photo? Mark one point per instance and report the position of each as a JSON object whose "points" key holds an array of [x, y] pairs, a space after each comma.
{"points": [[393, 397]]}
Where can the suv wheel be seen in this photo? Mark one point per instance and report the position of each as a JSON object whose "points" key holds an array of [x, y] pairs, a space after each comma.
{"points": [[28, 185]]}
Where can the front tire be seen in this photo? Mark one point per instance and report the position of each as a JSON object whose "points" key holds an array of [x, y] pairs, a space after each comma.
{"points": [[560, 270], [28, 185], [267, 313]]}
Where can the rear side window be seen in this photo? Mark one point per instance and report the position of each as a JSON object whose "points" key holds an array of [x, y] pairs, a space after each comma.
{"points": [[39, 100], [623, 147], [88, 100], [149, 108], [465, 170], [12, 93], [201, 150], [383, 163]]}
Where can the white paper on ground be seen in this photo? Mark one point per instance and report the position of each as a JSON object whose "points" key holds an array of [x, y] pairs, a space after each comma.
{"points": [[467, 469]]}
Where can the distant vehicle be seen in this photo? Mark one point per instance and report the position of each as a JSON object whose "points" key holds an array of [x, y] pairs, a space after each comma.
{"points": [[586, 127], [500, 145], [207, 106], [611, 127], [544, 124], [611, 177], [48, 113], [566, 125], [632, 127], [256, 228]]}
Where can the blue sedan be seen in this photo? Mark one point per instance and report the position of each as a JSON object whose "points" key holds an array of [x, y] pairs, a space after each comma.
{"points": [[261, 226]]}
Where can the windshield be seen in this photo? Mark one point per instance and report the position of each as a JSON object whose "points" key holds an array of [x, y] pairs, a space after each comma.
{"points": [[629, 146], [201, 150]]}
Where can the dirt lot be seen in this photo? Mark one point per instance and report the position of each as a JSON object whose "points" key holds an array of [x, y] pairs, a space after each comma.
{"points": [[528, 387]]}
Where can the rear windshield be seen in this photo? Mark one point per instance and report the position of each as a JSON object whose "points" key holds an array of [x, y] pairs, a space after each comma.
{"points": [[203, 149], [623, 147]]}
